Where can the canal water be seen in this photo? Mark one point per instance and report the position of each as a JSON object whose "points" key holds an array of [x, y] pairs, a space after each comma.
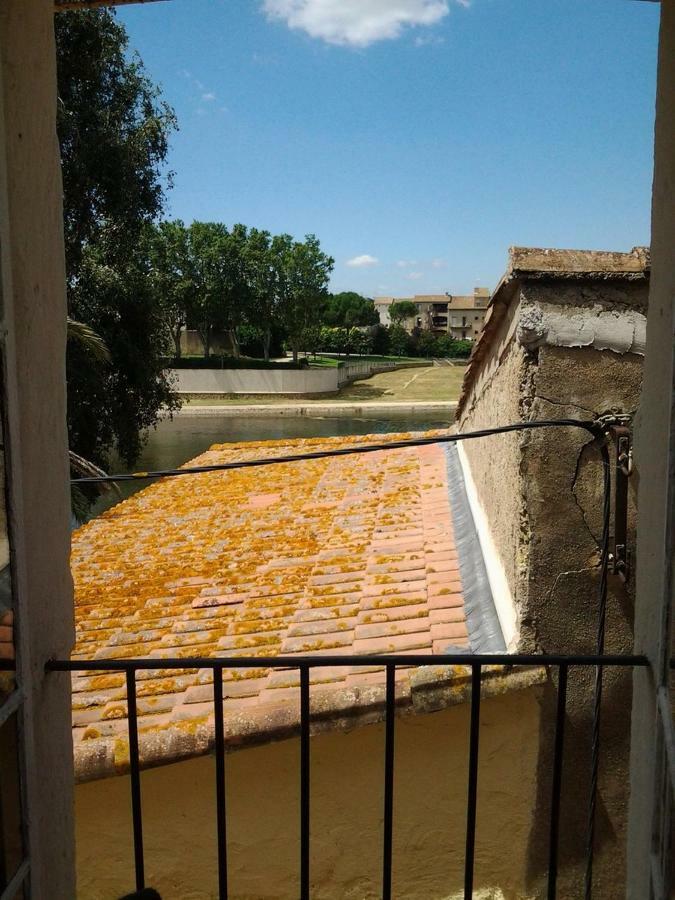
{"points": [[177, 440]]}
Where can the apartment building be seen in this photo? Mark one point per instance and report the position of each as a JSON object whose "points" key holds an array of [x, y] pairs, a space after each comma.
{"points": [[459, 315]]}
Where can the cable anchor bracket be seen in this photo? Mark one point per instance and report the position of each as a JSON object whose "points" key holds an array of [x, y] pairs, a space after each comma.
{"points": [[617, 431]]}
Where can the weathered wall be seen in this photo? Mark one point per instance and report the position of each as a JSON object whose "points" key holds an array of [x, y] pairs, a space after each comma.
{"points": [[655, 472], [191, 345], [494, 462], [346, 791], [542, 494], [34, 327]]}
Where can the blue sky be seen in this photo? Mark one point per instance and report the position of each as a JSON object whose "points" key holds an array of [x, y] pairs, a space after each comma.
{"points": [[418, 139]]}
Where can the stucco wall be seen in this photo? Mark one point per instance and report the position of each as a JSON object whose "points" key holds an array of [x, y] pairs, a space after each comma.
{"points": [[542, 495], [346, 786]]}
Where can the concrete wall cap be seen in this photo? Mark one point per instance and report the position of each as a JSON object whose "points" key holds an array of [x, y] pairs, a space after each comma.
{"points": [[549, 264]]}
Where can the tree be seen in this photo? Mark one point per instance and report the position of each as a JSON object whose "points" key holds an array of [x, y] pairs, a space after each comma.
{"points": [[113, 130], [221, 293], [400, 310], [265, 258], [172, 274], [114, 405], [306, 270], [349, 309], [427, 344], [399, 340]]}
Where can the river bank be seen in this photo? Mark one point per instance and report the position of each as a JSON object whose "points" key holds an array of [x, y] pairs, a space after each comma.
{"points": [[320, 410]]}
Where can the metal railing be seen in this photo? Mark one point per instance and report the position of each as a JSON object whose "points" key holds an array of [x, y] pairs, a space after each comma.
{"points": [[606, 431], [562, 663]]}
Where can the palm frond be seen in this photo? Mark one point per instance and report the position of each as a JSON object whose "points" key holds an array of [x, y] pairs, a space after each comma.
{"points": [[88, 338]]}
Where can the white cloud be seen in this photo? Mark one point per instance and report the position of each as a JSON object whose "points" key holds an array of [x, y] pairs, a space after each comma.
{"points": [[208, 96], [357, 23], [414, 276], [361, 262], [438, 263], [406, 263]]}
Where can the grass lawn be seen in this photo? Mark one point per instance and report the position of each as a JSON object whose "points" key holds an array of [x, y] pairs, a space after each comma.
{"points": [[439, 383]]}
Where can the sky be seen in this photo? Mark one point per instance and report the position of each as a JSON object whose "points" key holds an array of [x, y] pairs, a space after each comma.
{"points": [[418, 139]]}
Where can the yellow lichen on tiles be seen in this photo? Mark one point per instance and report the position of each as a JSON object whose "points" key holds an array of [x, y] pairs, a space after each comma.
{"points": [[222, 564]]}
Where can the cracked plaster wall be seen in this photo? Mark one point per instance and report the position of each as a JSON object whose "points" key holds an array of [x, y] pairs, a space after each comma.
{"points": [[542, 494]]}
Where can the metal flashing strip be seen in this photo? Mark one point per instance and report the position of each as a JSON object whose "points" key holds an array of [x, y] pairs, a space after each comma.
{"points": [[482, 621]]}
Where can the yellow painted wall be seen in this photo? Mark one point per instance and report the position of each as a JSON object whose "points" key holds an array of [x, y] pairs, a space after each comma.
{"points": [[347, 777]]}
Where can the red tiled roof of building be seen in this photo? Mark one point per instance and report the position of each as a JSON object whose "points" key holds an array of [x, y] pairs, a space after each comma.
{"points": [[351, 554]]}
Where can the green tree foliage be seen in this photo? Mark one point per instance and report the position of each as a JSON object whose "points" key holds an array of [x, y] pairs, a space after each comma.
{"points": [[306, 270], [400, 310], [349, 309], [426, 344], [113, 405], [221, 295], [265, 264], [113, 130], [172, 273], [381, 341], [400, 342]]}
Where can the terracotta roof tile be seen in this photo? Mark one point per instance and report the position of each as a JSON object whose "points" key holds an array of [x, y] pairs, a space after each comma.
{"points": [[354, 554]]}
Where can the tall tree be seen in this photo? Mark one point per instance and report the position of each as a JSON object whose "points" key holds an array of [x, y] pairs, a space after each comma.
{"points": [[306, 272], [265, 265], [113, 130], [401, 310], [221, 295], [172, 275], [349, 309]]}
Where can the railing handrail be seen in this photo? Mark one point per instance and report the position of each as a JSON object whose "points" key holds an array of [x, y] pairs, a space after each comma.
{"points": [[353, 659]]}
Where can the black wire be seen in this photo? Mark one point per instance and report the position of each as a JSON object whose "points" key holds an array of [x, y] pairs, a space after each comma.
{"points": [[600, 651], [593, 427]]}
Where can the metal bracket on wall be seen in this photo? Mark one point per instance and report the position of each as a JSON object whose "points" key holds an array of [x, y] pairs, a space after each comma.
{"points": [[617, 431]]}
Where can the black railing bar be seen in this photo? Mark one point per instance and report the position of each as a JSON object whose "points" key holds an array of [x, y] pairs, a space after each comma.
{"points": [[304, 783], [221, 826], [595, 428], [10, 705], [388, 821], [472, 794], [665, 712], [135, 780], [294, 662], [554, 824], [18, 879], [600, 650]]}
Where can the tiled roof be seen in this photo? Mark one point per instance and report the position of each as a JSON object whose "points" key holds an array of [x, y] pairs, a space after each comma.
{"points": [[352, 554]]}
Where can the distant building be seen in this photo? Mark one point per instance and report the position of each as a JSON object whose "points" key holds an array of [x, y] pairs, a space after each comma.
{"points": [[461, 316]]}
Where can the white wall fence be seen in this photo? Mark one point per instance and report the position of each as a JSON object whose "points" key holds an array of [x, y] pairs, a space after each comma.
{"points": [[277, 381]]}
